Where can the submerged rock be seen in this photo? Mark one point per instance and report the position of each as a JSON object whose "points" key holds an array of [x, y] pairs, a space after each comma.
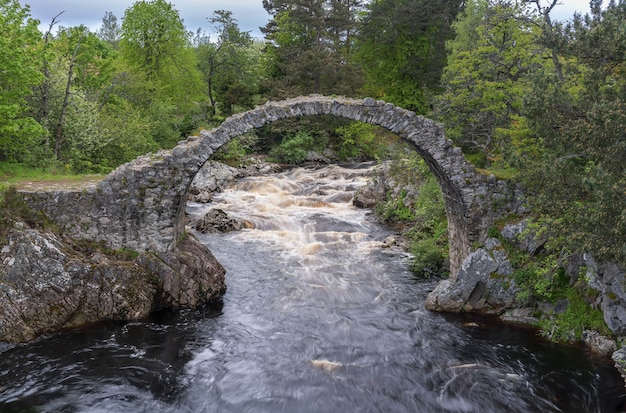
{"points": [[49, 282]]}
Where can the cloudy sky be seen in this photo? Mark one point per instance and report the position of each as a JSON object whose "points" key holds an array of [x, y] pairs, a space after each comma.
{"points": [[249, 13]]}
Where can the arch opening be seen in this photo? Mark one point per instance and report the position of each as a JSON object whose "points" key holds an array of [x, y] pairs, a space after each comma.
{"points": [[456, 177]]}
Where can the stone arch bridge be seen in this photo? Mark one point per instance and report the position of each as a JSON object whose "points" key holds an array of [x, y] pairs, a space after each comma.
{"points": [[141, 205]]}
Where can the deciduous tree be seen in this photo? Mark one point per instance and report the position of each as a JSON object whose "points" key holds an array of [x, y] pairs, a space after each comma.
{"points": [[156, 44], [20, 71]]}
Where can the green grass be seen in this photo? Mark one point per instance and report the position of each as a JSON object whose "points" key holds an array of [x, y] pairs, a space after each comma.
{"points": [[20, 175], [505, 174]]}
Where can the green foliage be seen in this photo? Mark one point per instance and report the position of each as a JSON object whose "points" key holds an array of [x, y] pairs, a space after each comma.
{"points": [[310, 48], [20, 60], [154, 42], [484, 81], [429, 235], [420, 210], [230, 65], [574, 150], [402, 51], [429, 258], [395, 210], [293, 149], [234, 153], [359, 140], [577, 317], [542, 279]]}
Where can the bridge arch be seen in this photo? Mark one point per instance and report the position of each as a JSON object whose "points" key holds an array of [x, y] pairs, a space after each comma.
{"points": [[141, 205]]}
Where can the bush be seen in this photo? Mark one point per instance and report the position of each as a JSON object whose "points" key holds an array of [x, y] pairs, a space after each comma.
{"points": [[293, 149], [429, 258], [234, 153]]}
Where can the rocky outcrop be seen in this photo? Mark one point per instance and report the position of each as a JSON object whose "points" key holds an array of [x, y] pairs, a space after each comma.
{"points": [[49, 282], [481, 285], [608, 279], [188, 277], [375, 190]]}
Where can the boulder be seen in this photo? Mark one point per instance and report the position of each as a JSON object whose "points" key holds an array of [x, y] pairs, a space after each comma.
{"points": [[375, 191], [215, 177], [599, 344], [483, 284], [212, 177], [524, 238], [216, 220]]}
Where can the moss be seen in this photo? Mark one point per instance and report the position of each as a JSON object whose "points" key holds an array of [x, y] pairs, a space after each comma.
{"points": [[541, 278], [13, 208]]}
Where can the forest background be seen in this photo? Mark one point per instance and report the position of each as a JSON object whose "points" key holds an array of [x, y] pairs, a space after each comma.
{"points": [[534, 101]]}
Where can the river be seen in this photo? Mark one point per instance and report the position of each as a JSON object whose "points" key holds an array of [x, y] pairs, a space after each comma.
{"points": [[317, 318]]}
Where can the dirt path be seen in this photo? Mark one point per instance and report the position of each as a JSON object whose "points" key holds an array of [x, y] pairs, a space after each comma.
{"points": [[51, 185]]}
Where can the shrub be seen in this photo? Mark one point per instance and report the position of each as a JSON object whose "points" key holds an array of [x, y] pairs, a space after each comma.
{"points": [[293, 149]]}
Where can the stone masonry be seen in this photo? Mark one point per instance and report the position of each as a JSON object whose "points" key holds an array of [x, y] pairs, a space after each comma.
{"points": [[141, 205]]}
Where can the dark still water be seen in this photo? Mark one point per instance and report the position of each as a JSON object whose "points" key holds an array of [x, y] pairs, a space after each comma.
{"points": [[317, 318]]}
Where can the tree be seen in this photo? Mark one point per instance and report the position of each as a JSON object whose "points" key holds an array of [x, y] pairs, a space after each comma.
{"points": [[491, 57], [401, 48], [576, 160], [20, 64], [310, 47], [110, 30], [156, 45], [228, 68]]}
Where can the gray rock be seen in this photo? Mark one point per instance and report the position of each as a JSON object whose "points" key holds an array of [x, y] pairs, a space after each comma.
{"points": [[212, 177], [482, 284], [598, 343], [316, 157], [216, 220], [215, 176], [49, 282], [619, 359], [608, 279], [375, 191], [525, 239]]}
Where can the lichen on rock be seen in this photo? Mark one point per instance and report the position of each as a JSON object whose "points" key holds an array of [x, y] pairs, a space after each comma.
{"points": [[483, 284], [49, 282]]}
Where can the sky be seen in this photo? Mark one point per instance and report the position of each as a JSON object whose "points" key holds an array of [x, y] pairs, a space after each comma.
{"points": [[249, 13]]}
